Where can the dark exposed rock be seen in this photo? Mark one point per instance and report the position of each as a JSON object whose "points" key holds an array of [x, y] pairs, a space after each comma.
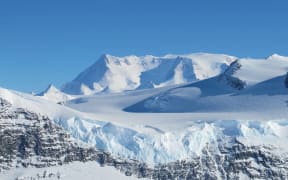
{"points": [[229, 79], [286, 80], [4, 105]]}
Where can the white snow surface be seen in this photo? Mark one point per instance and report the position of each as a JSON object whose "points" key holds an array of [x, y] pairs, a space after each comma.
{"points": [[72, 171], [55, 95], [119, 74], [253, 71]]}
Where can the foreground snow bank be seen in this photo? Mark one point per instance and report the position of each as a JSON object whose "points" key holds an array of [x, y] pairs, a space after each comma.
{"points": [[76, 170]]}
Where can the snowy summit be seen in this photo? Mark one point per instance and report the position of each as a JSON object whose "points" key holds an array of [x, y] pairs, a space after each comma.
{"points": [[54, 94], [118, 74]]}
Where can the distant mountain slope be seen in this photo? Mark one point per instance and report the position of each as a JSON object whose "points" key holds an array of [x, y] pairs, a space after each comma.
{"points": [[55, 95], [118, 74], [247, 72], [246, 86]]}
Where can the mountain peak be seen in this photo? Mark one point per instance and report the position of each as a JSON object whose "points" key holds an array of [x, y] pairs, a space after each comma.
{"points": [[118, 74], [49, 89], [277, 56], [53, 94], [105, 56]]}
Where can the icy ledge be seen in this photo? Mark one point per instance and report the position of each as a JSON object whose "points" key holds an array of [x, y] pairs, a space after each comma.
{"points": [[154, 146]]}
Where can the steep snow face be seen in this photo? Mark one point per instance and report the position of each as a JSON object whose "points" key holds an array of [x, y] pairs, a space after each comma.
{"points": [[153, 146], [55, 95], [37, 104], [118, 74], [247, 72]]}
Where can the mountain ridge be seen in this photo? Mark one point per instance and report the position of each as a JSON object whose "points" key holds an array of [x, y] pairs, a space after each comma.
{"points": [[119, 74], [55, 95]]}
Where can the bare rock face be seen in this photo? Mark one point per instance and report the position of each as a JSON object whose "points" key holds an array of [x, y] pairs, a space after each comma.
{"points": [[229, 79], [29, 139], [4, 105]]}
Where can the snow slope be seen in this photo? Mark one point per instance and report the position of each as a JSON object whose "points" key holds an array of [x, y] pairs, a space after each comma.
{"points": [[251, 71], [267, 98], [37, 104], [55, 95], [73, 171], [118, 74], [245, 86]]}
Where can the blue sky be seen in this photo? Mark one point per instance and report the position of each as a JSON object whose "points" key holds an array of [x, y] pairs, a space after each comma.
{"points": [[44, 42]]}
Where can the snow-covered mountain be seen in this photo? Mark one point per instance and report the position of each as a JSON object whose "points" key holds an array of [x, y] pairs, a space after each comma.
{"points": [[232, 91], [55, 95], [235, 123], [247, 71], [118, 74]]}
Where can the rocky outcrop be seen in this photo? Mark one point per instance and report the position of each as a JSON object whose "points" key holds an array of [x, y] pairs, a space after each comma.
{"points": [[4, 105], [30, 139], [286, 80], [236, 162], [228, 78]]}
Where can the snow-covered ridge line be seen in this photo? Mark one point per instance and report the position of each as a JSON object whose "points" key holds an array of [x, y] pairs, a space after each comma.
{"points": [[252, 71], [55, 95], [118, 74]]}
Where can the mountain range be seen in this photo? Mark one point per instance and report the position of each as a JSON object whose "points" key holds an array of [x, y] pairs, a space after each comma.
{"points": [[195, 116]]}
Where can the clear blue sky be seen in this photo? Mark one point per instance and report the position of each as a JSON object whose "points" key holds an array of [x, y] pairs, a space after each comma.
{"points": [[51, 41]]}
